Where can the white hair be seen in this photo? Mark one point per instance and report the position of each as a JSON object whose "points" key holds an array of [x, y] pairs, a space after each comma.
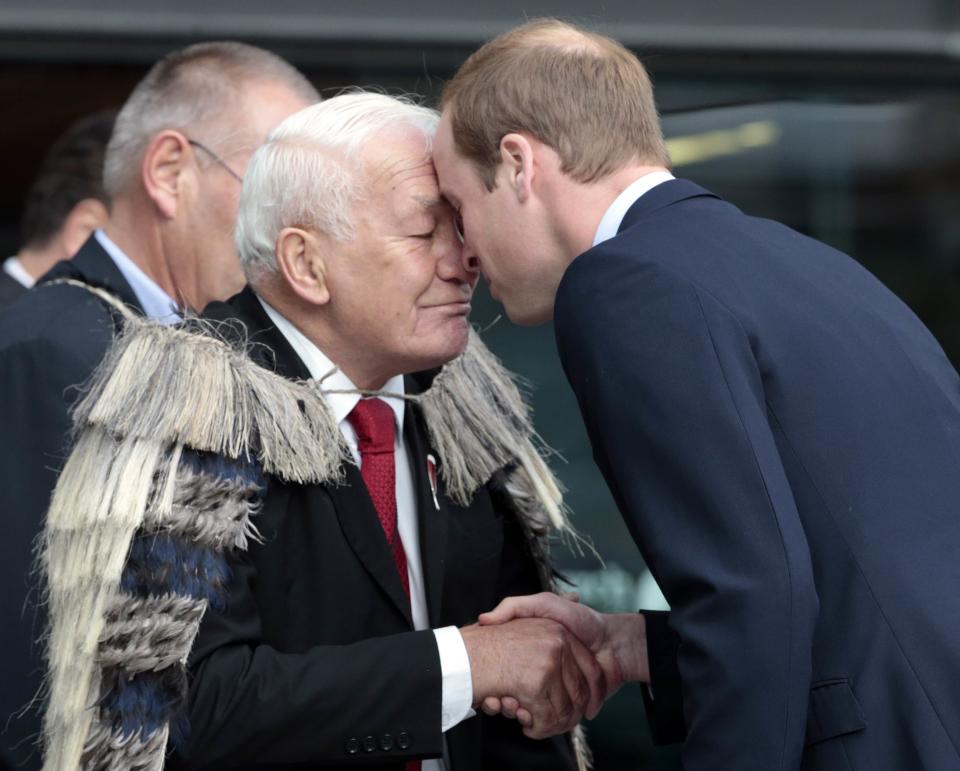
{"points": [[310, 170], [188, 89]]}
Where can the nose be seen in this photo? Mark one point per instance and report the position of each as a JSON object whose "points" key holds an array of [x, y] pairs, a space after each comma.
{"points": [[471, 262], [457, 264]]}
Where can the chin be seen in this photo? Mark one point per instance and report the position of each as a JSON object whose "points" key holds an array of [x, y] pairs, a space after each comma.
{"points": [[436, 345], [448, 350], [527, 315]]}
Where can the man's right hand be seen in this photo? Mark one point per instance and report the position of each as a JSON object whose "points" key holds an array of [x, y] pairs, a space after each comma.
{"points": [[618, 641], [542, 665]]}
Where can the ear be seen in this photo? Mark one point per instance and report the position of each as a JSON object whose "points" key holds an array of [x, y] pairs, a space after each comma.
{"points": [[88, 215], [167, 170], [300, 260], [516, 165]]}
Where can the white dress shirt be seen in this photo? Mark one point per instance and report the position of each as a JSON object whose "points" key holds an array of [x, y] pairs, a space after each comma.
{"points": [[611, 220], [14, 268], [457, 684], [156, 303]]}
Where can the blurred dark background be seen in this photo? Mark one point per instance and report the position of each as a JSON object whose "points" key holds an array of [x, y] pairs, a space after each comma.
{"points": [[838, 117]]}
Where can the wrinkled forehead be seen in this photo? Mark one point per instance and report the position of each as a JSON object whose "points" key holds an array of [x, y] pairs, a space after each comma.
{"points": [[400, 170], [400, 175]]}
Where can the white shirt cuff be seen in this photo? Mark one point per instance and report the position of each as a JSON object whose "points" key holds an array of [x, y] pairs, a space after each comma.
{"points": [[457, 693]]}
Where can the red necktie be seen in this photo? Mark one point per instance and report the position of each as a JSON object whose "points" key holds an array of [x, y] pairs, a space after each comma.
{"points": [[373, 421]]}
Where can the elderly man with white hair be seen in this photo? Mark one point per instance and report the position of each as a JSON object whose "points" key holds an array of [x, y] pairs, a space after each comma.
{"points": [[313, 492]]}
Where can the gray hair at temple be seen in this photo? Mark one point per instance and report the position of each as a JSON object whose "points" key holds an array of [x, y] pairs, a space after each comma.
{"points": [[189, 90], [309, 172]]}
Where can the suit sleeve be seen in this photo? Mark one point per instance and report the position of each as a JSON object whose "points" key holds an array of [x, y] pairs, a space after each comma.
{"points": [[254, 705], [673, 399], [663, 699]]}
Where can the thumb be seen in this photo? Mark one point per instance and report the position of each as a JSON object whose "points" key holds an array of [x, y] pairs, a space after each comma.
{"points": [[506, 611], [531, 606]]}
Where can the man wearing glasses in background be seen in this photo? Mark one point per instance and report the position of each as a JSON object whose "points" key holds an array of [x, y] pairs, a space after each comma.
{"points": [[173, 170]]}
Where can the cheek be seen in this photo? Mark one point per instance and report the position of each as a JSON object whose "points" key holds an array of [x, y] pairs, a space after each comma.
{"points": [[230, 207]]}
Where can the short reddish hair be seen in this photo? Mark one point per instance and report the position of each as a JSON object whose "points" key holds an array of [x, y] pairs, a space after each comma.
{"points": [[581, 93]]}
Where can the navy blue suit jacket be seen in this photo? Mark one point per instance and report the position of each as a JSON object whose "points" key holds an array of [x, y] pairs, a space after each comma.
{"points": [[10, 289], [782, 435]]}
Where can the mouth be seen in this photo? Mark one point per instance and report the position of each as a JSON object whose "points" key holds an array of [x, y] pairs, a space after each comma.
{"points": [[454, 308]]}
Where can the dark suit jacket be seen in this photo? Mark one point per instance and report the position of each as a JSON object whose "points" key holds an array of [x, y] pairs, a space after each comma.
{"points": [[50, 341], [782, 435], [316, 657], [10, 289]]}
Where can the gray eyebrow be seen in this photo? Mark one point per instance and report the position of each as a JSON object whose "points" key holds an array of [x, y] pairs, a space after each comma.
{"points": [[429, 201]]}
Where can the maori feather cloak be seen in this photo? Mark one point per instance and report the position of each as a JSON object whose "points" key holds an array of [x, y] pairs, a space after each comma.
{"points": [[172, 442]]}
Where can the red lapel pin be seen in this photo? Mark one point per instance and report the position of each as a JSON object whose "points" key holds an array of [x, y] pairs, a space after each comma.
{"points": [[432, 476]]}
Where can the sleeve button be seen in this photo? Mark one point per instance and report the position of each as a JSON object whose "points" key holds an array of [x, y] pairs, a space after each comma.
{"points": [[386, 742], [369, 744], [403, 740], [353, 746]]}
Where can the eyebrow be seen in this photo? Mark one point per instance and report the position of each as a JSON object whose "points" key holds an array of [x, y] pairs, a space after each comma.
{"points": [[429, 201]]}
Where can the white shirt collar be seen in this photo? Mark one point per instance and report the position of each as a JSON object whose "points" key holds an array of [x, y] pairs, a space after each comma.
{"points": [[155, 302], [320, 367], [14, 268], [611, 220]]}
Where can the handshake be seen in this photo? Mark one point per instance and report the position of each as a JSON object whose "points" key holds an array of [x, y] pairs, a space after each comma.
{"points": [[547, 661]]}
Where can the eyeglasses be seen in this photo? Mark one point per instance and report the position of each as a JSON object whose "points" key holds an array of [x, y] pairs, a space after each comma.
{"points": [[216, 159]]}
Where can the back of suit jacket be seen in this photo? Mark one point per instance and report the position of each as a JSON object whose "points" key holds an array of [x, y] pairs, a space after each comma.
{"points": [[10, 289], [51, 339], [315, 661], [782, 435]]}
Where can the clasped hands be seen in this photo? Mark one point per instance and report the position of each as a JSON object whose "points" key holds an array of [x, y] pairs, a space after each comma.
{"points": [[548, 661]]}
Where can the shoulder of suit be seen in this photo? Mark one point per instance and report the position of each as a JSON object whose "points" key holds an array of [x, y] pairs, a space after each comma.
{"points": [[613, 266], [56, 314]]}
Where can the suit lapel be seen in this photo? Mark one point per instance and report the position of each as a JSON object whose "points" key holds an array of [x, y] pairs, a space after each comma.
{"points": [[92, 265], [362, 530], [432, 516]]}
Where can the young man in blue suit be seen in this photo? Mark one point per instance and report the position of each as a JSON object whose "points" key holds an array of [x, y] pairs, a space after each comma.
{"points": [[780, 432]]}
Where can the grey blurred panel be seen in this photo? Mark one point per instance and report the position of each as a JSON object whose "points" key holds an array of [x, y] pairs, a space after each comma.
{"points": [[810, 139], [890, 26]]}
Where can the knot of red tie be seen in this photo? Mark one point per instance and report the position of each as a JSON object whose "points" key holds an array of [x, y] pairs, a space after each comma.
{"points": [[373, 421]]}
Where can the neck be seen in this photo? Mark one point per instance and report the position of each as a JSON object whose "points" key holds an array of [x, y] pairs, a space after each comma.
{"points": [[349, 359], [591, 201], [36, 262], [134, 230]]}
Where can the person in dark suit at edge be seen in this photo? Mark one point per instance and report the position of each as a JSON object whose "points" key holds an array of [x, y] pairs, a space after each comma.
{"points": [[63, 206], [780, 432], [173, 171]]}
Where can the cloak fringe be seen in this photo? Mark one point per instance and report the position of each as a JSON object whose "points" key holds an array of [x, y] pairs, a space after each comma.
{"points": [[97, 507]]}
